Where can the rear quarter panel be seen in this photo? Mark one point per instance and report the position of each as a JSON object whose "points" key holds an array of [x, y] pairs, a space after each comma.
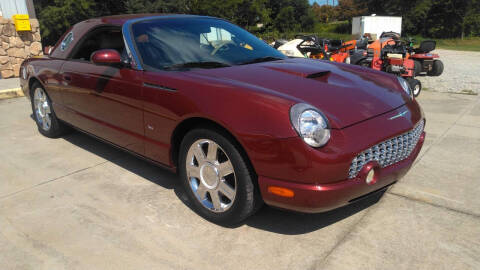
{"points": [[45, 70]]}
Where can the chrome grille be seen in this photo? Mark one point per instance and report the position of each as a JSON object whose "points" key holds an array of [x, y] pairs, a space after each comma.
{"points": [[388, 152]]}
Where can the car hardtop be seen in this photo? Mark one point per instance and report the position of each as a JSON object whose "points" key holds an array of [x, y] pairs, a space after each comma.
{"points": [[82, 28]]}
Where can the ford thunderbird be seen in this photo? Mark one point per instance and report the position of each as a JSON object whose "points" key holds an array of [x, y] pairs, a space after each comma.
{"points": [[241, 123]]}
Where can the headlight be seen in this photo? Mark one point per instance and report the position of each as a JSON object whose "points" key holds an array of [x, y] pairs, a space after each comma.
{"points": [[310, 124], [405, 86]]}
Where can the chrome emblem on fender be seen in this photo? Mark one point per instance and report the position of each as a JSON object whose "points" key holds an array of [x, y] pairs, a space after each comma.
{"points": [[398, 115]]}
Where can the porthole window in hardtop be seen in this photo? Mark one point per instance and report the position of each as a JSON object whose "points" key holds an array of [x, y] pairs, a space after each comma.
{"points": [[66, 41]]}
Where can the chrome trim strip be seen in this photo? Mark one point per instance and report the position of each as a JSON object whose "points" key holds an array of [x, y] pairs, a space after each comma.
{"points": [[398, 115], [161, 87]]}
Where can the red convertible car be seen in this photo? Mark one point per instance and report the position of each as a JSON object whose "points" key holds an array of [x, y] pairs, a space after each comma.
{"points": [[241, 123]]}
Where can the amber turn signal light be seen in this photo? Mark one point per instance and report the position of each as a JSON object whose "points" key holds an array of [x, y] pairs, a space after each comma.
{"points": [[283, 192]]}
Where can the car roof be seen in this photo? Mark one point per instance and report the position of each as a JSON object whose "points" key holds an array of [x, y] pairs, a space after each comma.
{"points": [[83, 27], [122, 19]]}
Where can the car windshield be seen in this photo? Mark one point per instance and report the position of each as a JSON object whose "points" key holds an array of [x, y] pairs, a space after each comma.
{"points": [[185, 43]]}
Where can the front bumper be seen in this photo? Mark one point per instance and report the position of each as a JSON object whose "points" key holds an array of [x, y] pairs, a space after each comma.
{"points": [[314, 198]]}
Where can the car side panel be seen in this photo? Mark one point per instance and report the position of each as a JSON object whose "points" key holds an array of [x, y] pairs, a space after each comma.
{"points": [[172, 97], [164, 107], [105, 101]]}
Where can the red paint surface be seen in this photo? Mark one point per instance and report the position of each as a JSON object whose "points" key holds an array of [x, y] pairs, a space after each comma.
{"points": [[424, 56], [106, 57]]}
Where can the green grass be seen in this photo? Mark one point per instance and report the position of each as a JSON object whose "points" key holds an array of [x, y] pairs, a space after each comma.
{"points": [[334, 30], [467, 44]]}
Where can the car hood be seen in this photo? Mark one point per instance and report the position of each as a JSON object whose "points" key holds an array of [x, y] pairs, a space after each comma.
{"points": [[346, 94]]}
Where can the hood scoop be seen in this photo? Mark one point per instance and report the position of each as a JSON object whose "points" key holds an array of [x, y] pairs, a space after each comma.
{"points": [[320, 76], [303, 71]]}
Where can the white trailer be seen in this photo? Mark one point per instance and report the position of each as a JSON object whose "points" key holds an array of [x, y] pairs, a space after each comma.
{"points": [[376, 25]]}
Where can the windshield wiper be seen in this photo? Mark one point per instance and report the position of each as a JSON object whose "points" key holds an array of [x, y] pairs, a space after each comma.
{"points": [[261, 59], [197, 65]]}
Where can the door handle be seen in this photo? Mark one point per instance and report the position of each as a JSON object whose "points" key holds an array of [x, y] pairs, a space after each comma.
{"points": [[67, 78]]}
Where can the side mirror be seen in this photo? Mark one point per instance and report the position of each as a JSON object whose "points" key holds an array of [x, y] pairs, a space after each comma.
{"points": [[106, 57], [47, 50]]}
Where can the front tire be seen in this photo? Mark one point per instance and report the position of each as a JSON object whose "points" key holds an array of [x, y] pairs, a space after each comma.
{"points": [[48, 123], [364, 63], [416, 86], [217, 178]]}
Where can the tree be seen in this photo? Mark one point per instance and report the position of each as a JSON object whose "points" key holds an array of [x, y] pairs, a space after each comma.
{"points": [[430, 18], [347, 9], [251, 12], [285, 20], [324, 13], [56, 19], [472, 19], [301, 15], [156, 6], [216, 8]]}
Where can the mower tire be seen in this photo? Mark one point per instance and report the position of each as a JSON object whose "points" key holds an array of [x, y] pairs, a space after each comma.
{"points": [[364, 63], [415, 85], [437, 68], [418, 67]]}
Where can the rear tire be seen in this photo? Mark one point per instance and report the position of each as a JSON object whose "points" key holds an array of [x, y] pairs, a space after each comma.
{"points": [[437, 68], [219, 186], [416, 86], [47, 122], [418, 67]]}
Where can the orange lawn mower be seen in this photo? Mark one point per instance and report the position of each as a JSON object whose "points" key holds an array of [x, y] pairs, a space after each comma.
{"points": [[311, 46], [389, 54]]}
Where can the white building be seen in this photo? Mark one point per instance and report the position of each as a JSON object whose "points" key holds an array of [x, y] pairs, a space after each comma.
{"points": [[376, 25], [8, 8]]}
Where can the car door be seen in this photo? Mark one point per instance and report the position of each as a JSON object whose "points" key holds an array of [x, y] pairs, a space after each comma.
{"points": [[104, 100]]}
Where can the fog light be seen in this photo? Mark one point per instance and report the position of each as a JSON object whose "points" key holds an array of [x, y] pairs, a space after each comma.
{"points": [[370, 179]]}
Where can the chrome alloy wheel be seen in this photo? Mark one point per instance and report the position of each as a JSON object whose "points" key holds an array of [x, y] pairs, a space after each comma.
{"points": [[211, 175], [42, 109]]}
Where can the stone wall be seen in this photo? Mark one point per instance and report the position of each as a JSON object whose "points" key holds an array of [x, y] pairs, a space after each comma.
{"points": [[17, 46]]}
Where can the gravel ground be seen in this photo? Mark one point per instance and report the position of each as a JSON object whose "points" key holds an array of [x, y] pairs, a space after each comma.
{"points": [[461, 74]]}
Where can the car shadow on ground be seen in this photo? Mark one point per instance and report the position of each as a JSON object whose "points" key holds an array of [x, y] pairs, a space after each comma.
{"points": [[292, 223], [268, 218]]}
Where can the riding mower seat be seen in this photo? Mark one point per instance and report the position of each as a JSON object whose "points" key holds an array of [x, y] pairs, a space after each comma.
{"points": [[279, 42], [334, 44], [392, 35], [362, 44], [426, 46]]}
